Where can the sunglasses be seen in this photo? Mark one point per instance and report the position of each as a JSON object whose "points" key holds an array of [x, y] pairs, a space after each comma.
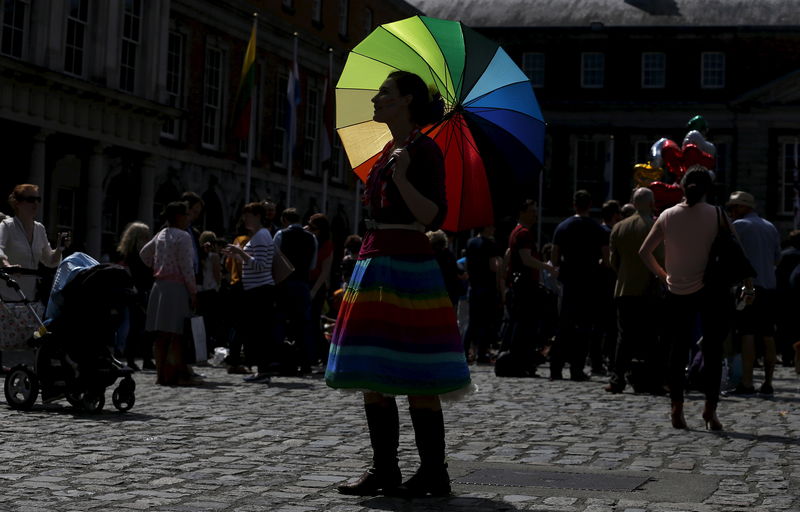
{"points": [[30, 199]]}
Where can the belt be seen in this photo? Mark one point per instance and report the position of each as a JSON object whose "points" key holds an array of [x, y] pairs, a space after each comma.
{"points": [[374, 225]]}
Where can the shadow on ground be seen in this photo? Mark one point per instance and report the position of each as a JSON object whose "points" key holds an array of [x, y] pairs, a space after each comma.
{"points": [[451, 504]]}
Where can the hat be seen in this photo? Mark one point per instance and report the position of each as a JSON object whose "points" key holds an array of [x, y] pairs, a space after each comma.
{"points": [[742, 198]]}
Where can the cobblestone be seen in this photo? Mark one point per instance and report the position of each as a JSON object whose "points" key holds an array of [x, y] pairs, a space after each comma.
{"points": [[234, 447]]}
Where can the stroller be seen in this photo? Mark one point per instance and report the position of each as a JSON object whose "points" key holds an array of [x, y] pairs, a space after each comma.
{"points": [[73, 358]]}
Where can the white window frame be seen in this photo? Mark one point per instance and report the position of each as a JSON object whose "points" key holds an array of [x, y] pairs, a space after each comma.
{"points": [[344, 17], [131, 36], [712, 77], [789, 147], [654, 73], [533, 65], [313, 121], [588, 67], [4, 27], [280, 136], [598, 175], [172, 128], [338, 160], [316, 11], [213, 89], [76, 47]]}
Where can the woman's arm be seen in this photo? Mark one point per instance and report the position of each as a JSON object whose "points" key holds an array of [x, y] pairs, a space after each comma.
{"points": [[148, 252], [49, 257], [423, 209], [653, 240]]}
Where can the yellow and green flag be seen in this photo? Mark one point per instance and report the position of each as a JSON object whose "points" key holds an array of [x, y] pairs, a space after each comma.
{"points": [[244, 95]]}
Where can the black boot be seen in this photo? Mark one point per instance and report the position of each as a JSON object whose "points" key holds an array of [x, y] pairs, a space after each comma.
{"points": [[384, 435], [431, 479]]}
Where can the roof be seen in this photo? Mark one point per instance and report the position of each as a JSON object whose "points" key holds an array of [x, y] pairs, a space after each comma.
{"points": [[619, 13]]}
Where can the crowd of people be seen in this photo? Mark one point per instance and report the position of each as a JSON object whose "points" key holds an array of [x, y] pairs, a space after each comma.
{"points": [[626, 296], [632, 299]]}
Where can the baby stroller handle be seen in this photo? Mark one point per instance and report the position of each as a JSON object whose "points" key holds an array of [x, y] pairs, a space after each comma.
{"points": [[14, 285]]}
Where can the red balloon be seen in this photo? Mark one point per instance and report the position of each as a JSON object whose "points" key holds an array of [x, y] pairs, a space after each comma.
{"points": [[666, 195], [693, 155]]}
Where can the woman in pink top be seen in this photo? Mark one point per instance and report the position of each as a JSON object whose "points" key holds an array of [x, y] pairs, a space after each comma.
{"points": [[687, 231], [170, 255]]}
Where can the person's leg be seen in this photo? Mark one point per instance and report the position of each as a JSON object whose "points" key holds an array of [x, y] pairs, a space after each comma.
{"points": [[384, 434], [715, 316], [431, 478], [622, 354], [678, 332], [748, 359], [770, 359]]}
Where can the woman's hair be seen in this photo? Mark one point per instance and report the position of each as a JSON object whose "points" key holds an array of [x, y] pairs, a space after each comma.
{"points": [[426, 106], [134, 237], [321, 223], [258, 209], [191, 199], [19, 192], [207, 237], [353, 244], [173, 209], [696, 184], [438, 239]]}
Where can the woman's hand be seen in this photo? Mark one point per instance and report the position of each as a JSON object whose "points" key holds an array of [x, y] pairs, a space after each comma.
{"points": [[401, 162], [236, 252]]}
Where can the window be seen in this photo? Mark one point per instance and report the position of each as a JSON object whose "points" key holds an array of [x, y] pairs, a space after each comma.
{"points": [[592, 167], [312, 127], [65, 209], [174, 86], [344, 15], [14, 22], [533, 66], [790, 177], [592, 70], [131, 36], [368, 20], [316, 11], [653, 70], [338, 160], [712, 73], [77, 18], [279, 137], [212, 98]]}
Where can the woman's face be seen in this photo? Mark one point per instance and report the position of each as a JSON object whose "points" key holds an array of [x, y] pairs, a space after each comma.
{"points": [[251, 222], [389, 104], [182, 221], [28, 203]]}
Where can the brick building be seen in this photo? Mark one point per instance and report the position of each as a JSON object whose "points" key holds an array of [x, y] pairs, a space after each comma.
{"points": [[116, 107]]}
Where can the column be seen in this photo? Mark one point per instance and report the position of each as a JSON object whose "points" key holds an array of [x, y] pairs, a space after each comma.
{"points": [[36, 173], [94, 200], [147, 189]]}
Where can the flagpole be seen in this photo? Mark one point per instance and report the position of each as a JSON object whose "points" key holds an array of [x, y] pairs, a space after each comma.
{"points": [[292, 130], [251, 135], [325, 171]]}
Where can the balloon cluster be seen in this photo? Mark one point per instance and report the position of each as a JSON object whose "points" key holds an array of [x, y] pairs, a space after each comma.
{"points": [[666, 155]]}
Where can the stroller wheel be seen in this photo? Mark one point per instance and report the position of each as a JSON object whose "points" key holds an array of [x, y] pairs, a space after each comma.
{"points": [[21, 388], [123, 400], [93, 401]]}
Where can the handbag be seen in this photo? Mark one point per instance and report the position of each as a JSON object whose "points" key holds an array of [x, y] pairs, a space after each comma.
{"points": [[281, 266], [194, 336], [727, 264]]}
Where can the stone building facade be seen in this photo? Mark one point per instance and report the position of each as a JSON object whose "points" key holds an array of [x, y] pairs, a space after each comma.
{"points": [[116, 107], [612, 77]]}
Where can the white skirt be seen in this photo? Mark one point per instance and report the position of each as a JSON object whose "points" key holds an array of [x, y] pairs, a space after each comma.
{"points": [[168, 308]]}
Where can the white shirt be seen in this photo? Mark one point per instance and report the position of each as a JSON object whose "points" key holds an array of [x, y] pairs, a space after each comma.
{"points": [[14, 248]]}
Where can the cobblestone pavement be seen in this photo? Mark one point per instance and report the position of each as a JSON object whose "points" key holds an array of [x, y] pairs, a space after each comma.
{"points": [[230, 446]]}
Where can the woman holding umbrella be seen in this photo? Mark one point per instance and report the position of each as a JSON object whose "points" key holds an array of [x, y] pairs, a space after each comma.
{"points": [[396, 332]]}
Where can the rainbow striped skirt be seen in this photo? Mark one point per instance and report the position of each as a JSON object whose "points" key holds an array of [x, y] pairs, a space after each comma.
{"points": [[396, 332]]}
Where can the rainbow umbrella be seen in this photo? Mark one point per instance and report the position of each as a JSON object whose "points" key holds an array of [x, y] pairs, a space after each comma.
{"points": [[491, 112]]}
